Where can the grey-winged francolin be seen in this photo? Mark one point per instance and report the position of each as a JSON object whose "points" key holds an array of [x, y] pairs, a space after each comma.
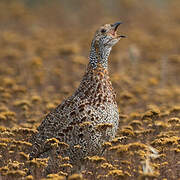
{"points": [[90, 116]]}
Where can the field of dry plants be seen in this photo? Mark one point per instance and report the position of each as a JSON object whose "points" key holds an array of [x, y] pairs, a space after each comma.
{"points": [[44, 50]]}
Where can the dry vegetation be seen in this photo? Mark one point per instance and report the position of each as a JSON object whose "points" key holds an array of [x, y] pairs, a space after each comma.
{"points": [[43, 54]]}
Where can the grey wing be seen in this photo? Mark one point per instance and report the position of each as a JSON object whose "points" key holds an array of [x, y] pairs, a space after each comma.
{"points": [[58, 124], [46, 130]]}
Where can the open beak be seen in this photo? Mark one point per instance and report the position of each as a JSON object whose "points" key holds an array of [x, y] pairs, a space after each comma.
{"points": [[115, 25], [114, 30]]}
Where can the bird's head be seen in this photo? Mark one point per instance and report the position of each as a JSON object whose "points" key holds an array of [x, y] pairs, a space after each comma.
{"points": [[106, 36]]}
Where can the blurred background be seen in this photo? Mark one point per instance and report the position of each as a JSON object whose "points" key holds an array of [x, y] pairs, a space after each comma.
{"points": [[44, 48]]}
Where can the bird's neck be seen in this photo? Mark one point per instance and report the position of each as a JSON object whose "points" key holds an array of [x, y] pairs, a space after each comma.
{"points": [[99, 55]]}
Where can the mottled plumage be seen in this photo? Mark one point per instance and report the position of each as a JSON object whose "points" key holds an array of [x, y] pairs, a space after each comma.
{"points": [[90, 116]]}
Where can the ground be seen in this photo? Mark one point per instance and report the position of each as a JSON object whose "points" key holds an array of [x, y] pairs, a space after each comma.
{"points": [[42, 60]]}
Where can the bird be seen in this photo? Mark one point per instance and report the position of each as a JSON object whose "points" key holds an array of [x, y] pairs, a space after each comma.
{"points": [[88, 118]]}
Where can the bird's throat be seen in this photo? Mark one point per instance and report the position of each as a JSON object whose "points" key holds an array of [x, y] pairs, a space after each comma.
{"points": [[99, 56]]}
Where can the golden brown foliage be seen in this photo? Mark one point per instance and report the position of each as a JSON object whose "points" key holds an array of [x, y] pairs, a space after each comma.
{"points": [[43, 54]]}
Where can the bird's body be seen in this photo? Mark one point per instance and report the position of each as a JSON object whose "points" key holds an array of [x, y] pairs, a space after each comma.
{"points": [[85, 120], [76, 120]]}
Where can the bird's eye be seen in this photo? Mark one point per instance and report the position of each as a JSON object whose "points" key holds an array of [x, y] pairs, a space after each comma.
{"points": [[103, 30]]}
